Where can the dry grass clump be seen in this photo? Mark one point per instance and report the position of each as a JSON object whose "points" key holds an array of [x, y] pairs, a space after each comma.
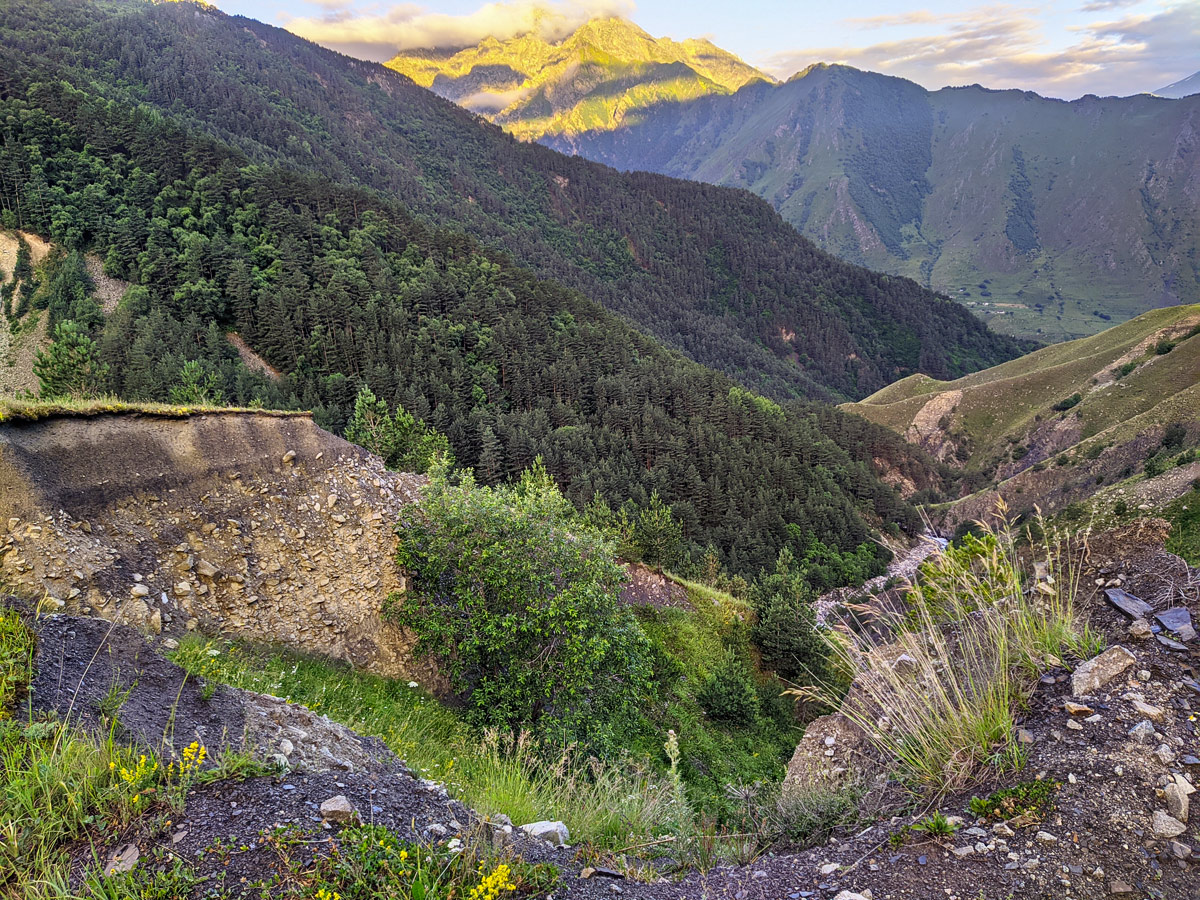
{"points": [[940, 695]]}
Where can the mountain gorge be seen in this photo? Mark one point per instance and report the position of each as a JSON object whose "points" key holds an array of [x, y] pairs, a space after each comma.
{"points": [[1044, 217]]}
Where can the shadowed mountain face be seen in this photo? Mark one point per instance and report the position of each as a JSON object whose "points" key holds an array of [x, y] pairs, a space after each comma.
{"points": [[598, 78], [711, 272], [1050, 219]]}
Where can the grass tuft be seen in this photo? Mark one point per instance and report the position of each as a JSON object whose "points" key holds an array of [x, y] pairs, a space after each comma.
{"points": [[940, 696]]}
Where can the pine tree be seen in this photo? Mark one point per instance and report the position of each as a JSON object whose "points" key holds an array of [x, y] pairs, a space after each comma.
{"points": [[71, 366]]}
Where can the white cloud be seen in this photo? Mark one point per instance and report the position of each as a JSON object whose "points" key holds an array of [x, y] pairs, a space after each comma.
{"points": [[1004, 46], [377, 34]]}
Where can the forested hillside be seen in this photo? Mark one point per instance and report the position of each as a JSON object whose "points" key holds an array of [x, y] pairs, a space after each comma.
{"points": [[338, 287], [712, 272], [1048, 219]]}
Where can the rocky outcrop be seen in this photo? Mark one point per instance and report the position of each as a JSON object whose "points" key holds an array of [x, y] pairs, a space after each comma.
{"points": [[254, 526]]}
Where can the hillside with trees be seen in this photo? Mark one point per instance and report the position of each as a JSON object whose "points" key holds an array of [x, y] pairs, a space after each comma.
{"points": [[712, 272]]}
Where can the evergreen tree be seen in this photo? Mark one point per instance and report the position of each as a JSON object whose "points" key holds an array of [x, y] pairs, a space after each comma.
{"points": [[71, 366]]}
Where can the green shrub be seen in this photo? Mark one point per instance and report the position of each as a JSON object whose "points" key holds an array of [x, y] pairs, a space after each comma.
{"points": [[1032, 799], [785, 627], [729, 694], [71, 366], [1126, 369], [1120, 508], [1174, 436], [1155, 465], [517, 600], [1068, 403], [405, 444], [1163, 347]]}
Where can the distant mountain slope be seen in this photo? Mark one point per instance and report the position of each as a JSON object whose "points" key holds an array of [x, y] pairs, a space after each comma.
{"points": [[596, 79], [1050, 219], [1185, 87], [1055, 426], [711, 272]]}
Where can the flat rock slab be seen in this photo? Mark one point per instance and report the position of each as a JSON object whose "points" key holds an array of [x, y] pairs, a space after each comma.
{"points": [[1178, 621], [1094, 674], [1132, 606]]}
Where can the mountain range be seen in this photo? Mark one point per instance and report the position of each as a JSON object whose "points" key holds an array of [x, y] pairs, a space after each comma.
{"points": [[260, 193], [1050, 219]]}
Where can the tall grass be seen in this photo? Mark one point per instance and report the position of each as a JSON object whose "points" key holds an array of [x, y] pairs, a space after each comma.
{"points": [[940, 695], [608, 804]]}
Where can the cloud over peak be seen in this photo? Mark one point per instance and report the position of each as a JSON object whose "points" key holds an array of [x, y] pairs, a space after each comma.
{"points": [[379, 34]]}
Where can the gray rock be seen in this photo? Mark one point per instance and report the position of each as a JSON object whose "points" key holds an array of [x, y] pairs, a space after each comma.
{"points": [[123, 860], [1165, 754], [1094, 674], [1142, 732], [1132, 606], [1178, 621], [338, 809], [1045, 837], [1166, 826], [1177, 802], [554, 832]]}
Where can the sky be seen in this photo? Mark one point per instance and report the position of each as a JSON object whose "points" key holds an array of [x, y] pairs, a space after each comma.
{"points": [[1058, 48]]}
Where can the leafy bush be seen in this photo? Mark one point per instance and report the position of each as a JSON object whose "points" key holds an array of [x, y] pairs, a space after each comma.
{"points": [[729, 695], [516, 599], [1068, 402], [1126, 369], [1155, 465], [1120, 508], [1174, 435], [1163, 347]]}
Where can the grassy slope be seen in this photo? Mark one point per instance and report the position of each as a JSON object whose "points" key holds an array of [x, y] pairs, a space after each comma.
{"points": [[1003, 400], [491, 777]]}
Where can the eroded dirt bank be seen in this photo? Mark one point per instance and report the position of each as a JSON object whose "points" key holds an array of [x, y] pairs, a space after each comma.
{"points": [[256, 526]]}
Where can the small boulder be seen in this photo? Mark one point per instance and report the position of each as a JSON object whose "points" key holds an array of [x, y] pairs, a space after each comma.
{"points": [[1142, 732], [1139, 629], [1153, 713], [1094, 674], [338, 809], [1177, 802], [554, 832], [1166, 826], [123, 860]]}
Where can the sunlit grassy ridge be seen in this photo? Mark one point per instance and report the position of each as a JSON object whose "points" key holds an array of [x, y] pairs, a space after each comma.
{"points": [[31, 410], [592, 80]]}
